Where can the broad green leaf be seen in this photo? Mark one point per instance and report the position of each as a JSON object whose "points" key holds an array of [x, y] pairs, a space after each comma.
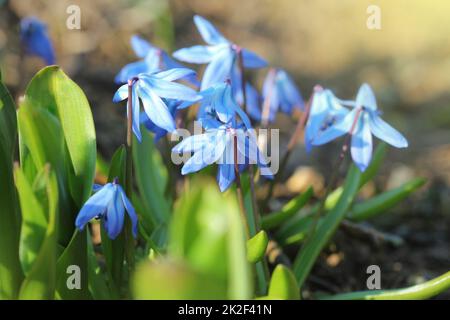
{"points": [[310, 251], [421, 291], [151, 179], [383, 202], [62, 97], [75, 254], [256, 246], [287, 211], [170, 280], [10, 271], [34, 219], [210, 238], [41, 279], [42, 141], [283, 284]]}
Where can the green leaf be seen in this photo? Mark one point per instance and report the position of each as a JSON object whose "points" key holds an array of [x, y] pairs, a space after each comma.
{"points": [[309, 253], [287, 211], [74, 255], [172, 280], [210, 238], [421, 291], [10, 270], [41, 278], [283, 284], [383, 202], [42, 141], [151, 179], [34, 219], [256, 246], [54, 91]]}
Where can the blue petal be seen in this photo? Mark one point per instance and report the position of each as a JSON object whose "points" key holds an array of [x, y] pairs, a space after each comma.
{"points": [[225, 176], [131, 212], [219, 69], [253, 102], [167, 89], [336, 130], [193, 143], [121, 94], [172, 64], [361, 148], [289, 92], [157, 111], [366, 97], [174, 74], [115, 214], [95, 206], [131, 70], [208, 32], [385, 132], [252, 60], [196, 54], [210, 153], [136, 108], [140, 46]]}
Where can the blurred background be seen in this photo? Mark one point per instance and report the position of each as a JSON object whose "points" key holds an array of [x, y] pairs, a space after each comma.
{"points": [[324, 42]]}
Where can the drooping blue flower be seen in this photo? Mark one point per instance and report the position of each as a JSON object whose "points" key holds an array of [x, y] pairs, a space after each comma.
{"points": [[363, 121], [109, 204], [326, 109], [218, 102], [152, 59], [35, 39], [150, 88], [217, 145], [220, 54], [280, 92]]}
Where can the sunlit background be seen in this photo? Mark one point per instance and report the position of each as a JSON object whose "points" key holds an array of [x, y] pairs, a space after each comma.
{"points": [[324, 42]]}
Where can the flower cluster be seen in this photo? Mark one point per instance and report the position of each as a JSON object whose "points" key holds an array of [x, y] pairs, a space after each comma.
{"points": [[226, 103]]}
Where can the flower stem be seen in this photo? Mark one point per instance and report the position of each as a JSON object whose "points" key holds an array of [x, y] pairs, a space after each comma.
{"points": [[332, 182], [291, 144], [250, 169], [129, 247], [239, 190]]}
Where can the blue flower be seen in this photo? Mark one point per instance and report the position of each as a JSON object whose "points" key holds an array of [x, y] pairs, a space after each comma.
{"points": [[217, 145], [35, 39], [326, 109], [150, 89], [280, 92], [152, 59], [218, 102], [363, 121], [108, 204], [220, 54]]}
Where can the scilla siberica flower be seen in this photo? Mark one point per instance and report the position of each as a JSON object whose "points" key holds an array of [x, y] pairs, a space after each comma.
{"points": [[280, 92], [35, 39], [150, 89], [217, 101], [363, 121], [217, 145], [108, 204], [152, 59], [220, 54], [326, 110]]}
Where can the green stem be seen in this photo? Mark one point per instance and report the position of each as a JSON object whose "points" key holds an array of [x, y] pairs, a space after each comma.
{"points": [[129, 241], [418, 292]]}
